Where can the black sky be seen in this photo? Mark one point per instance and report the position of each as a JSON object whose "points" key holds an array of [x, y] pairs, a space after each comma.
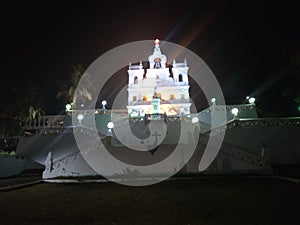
{"points": [[247, 44]]}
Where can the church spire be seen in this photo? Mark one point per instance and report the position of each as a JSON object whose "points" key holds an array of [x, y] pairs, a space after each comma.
{"points": [[156, 43], [157, 60]]}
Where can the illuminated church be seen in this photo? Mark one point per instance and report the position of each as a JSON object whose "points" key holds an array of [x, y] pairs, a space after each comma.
{"points": [[158, 89]]}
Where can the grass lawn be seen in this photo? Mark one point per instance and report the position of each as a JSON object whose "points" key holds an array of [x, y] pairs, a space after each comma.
{"points": [[204, 201]]}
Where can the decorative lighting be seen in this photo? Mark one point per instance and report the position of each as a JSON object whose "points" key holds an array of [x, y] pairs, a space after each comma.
{"points": [[213, 100], [251, 100], [80, 118], [195, 119], [68, 107], [235, 112], [103, 104], [110, 125]]}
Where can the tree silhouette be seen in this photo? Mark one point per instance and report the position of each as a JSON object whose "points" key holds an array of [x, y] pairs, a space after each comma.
{"points": [[293, 89], [19, 104], [70, 87]]}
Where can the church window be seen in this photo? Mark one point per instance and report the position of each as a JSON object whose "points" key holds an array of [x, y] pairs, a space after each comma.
{"points": [[180, 78], [157, 64], [135, 79]]}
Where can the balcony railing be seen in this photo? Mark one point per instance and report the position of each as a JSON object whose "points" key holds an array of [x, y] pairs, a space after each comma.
{"points": [[170, 101]]}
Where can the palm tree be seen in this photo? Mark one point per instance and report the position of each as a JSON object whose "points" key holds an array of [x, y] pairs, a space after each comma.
{"points": [[293, 89], [68, 88], [19, 104]]}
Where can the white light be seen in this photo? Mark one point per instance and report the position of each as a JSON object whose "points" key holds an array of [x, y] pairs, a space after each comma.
{"points": [[235, 111], [104, 103], [247, 97], [195, 120], [80, 117], [213, 100], [251, 100], [68, 107], [82, 105], [110, 125]]}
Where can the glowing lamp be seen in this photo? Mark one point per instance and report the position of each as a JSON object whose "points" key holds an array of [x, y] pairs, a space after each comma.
{"points": [[213, 100], [68, 107], [110, 125], [235, 111], [80, 118], [195, 120], [251, 100], [103, 104]]}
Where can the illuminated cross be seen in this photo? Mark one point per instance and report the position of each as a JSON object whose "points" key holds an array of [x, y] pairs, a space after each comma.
{"points": [[156, 135]]}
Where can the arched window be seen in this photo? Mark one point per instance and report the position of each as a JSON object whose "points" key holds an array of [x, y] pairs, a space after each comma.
{"points": [[180, 77], [135, 80], [157, 64]]}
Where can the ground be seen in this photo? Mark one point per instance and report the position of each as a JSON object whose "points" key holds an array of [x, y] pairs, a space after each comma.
{"points": [[198, 201]]}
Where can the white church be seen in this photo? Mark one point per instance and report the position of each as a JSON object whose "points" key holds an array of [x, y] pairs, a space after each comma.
{"points": [[158, 89]]}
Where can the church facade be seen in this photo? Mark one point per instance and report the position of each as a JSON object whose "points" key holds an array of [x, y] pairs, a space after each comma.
{"points": [[160, 89]]}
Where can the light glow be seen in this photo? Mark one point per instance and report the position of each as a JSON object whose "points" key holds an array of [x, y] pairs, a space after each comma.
{"points": [[80, 117], [68, 107], [110, 125], [195, 120], [235, 111], [251, 100]]}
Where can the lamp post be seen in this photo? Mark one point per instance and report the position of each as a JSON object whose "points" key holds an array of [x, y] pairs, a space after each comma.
{"points": [[235, 112], [110, 125], [103, 104], [68, 107], [80, 118], [251, 100], [213, 101]]}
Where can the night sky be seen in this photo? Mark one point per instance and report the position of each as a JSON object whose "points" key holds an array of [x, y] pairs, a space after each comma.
{"points": [[247, 44]]}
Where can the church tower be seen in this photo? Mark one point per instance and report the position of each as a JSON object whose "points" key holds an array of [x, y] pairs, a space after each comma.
{"points": [[158, 89]]}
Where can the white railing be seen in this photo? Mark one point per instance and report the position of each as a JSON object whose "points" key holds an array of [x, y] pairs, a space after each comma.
{"points": [[45, 122]]}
